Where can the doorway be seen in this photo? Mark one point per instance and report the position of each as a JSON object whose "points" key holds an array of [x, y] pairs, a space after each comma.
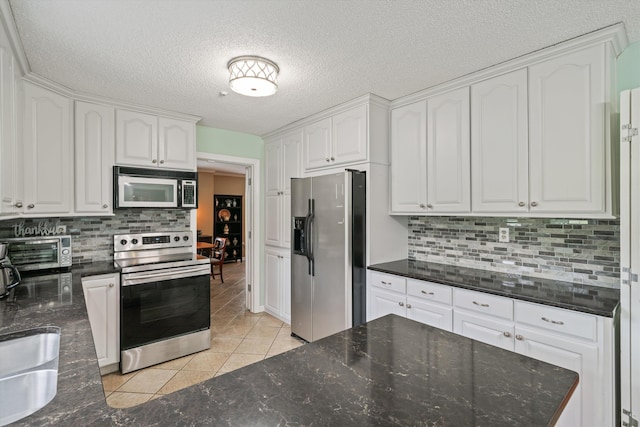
{"points": [[251, 170]]}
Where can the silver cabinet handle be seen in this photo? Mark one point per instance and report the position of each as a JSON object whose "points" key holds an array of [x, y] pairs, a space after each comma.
{"points": [[332, 159], [154, 161], [480, 304], [111, 285], [161, 161], [422, 205], [385, 283], [555, 322], [426, 293], [326, 159], [519, 337], [408, 305], [506, 334], [521, 204], [401, 304], [534, 204], [105, 206], [430, 206], [31, 206], [18, 205]]}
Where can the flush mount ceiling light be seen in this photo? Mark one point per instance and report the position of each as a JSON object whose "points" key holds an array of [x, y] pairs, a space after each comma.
{"points": [[253, 76]]}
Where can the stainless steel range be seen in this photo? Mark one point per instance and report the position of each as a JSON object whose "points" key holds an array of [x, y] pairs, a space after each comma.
{"points": [[165, 308]]}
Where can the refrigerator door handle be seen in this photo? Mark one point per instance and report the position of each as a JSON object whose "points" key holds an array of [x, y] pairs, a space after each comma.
{"points": [[309, 236]]}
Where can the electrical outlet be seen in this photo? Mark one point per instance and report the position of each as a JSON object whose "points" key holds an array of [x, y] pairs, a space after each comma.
{"points": [[503, 235]]}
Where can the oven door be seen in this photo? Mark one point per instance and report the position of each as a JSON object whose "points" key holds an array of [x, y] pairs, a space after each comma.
{"points": [[162, 304]]}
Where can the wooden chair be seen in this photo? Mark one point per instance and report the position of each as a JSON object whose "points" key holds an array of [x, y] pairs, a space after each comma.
{"points": [[217, 255]]}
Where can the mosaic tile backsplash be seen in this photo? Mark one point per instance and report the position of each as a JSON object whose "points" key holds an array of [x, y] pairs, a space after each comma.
{"points": [[583, 251], [92, 237]]}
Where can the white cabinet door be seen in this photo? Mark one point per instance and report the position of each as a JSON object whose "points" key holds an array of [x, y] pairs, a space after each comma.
{"points": [[436, 315], [9, 169], [136, 139], [576, 356], [273, 220], [285, 282], [102, 297], [383, 302], [409, 158], [567, 112], [273, 167], [487, 329], [47, 145], [448, 152], [291, 159], [499, 144], [176, 144], [94, 144], [317, 144], [349, 137], [273, 293]]}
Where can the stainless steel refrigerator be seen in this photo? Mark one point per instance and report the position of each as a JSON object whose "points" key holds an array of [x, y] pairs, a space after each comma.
{"points": [[328, 274]]}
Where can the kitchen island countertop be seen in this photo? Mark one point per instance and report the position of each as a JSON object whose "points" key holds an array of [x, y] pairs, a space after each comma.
{"points": [[590, 299], [388, 371]]}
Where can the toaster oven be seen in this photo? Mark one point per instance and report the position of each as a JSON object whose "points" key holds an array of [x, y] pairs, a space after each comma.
{"points": [[40, 253]]}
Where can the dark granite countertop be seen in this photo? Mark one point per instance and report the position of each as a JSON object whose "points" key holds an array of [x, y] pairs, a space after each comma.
{"points": [[389, 371], [573, 296]]}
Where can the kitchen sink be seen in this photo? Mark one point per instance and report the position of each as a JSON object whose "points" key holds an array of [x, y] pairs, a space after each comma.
{"points": [[28, 371]]}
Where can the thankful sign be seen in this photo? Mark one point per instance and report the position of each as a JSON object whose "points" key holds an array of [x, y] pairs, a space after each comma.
{"points": [[43, 228]]}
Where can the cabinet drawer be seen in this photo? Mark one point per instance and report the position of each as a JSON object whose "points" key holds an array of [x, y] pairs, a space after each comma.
{"points": [[385, 281], [483, 303], [429, 291], [558, 320]]}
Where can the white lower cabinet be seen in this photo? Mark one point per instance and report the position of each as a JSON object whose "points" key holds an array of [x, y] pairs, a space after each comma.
{"points": [[277, 301], [581, 342], [102, 297]]}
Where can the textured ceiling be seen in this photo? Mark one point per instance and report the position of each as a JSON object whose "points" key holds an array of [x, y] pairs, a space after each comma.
{"points": [[172, 54]]}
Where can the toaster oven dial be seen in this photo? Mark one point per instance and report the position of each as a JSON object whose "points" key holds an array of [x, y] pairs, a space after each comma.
{"points": [[123, 242], [134, 241], [185, 238], [176, 239]]}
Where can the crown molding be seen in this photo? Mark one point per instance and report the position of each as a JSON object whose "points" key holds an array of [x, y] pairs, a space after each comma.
{"points": [[6, 15]]}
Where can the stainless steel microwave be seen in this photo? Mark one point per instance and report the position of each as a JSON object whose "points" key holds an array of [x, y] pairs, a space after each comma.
{"points": [[151, 188], [40, 253]]}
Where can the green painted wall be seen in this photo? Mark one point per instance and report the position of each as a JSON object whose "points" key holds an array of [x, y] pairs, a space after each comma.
{"points": [[629, 67], [220, 141]]}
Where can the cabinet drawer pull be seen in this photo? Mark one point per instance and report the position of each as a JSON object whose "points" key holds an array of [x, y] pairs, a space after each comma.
{"points": [[18, 205], [408, 305], [154, 161], [555, 322], [422, 206], [506, 334], [111, 285], [534, 204], [430, 206], [519, 337], [521, 204], [385, 283], [31, 206], [481, 305], [427, 293], [326, 159], [401, 304], [332, 159], [161, 162]]}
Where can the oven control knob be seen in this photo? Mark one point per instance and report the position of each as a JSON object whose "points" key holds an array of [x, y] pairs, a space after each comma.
{"points": [[176, 239], [185, 238], [123, 242], [134, 241]]}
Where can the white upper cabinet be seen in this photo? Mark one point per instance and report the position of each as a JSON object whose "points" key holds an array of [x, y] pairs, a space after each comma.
{"points": [[448, 152], [150, 141], [430, 155], [94, 146], [499, 144], [349, 136], [10, 199], [176, 144], [409, 158], [568, 108], [283, 158], [47, 145], [317, 144], [340, 139]]}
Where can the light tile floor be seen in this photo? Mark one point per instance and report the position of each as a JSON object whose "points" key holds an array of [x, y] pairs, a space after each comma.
{"points": [[238, 338]]}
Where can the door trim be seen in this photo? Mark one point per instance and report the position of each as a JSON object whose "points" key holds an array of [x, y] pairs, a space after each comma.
{"points": [[253, 261]]}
